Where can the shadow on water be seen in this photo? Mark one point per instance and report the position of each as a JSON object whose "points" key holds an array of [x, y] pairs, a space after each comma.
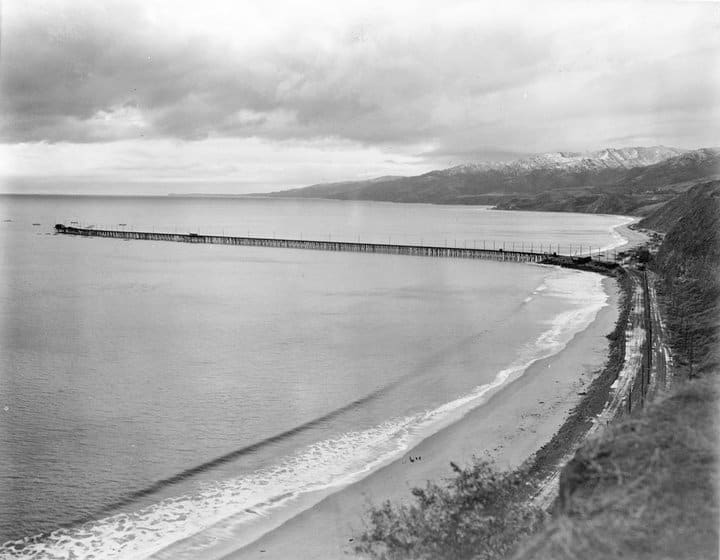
{"points": [[429, 365], [223, 459]]}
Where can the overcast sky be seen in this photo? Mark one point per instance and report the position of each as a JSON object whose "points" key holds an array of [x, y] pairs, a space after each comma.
{"points": [[237, 96]]}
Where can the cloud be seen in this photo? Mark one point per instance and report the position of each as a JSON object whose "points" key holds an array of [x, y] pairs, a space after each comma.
{"points": [[460, 78], [210, 165]]}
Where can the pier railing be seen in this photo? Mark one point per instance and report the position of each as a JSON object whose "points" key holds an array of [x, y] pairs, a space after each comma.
{"points": [[346, 246]]}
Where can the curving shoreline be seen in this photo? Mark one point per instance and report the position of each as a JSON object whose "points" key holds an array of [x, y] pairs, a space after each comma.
{"points": [[509, 428], [633, 238], [516, 425], [167, 532]]}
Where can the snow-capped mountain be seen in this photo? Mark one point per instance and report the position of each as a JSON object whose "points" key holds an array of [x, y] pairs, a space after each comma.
{"points": [[628, 173], [609, 158]]}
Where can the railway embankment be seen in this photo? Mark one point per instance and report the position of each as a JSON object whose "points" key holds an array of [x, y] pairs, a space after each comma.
{"points": [[643, 480], [644, 485]]}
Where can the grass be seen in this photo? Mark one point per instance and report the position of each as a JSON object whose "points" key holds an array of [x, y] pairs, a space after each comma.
{"points": [[646, 489], [688, 265]]}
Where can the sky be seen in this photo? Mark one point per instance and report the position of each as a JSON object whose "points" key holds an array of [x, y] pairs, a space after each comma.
{"points": [[228, 96]]}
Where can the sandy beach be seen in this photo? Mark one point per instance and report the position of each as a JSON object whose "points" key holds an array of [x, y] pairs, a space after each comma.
{"points": [[512, 425], [633, 237]]}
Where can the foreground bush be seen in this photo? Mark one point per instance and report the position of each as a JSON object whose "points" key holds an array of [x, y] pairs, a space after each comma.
{"points": [[478, 514]]}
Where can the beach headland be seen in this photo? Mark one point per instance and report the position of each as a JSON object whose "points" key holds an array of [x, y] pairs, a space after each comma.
{"points": [[514, 423]]}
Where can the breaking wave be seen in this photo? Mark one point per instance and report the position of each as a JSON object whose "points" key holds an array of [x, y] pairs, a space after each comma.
{"points": [[618, 240], [190, 524]]}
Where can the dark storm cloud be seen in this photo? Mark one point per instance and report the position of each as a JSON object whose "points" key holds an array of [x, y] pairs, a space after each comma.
{"points": [[62, 70], [101, 71]]}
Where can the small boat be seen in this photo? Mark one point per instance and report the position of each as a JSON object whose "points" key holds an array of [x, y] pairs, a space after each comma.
{"points": [[36, 224]]}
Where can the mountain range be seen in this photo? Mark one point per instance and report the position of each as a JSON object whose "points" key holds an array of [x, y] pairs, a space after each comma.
{"points": [[611, 180]]}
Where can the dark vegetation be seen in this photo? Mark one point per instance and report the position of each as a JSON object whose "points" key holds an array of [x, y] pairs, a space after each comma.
{"points": [[583, 263], [479, 513], [688, 264], [647, 488]]}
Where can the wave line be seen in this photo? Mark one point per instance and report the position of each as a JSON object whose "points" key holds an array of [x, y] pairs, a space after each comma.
{"points": [[223, 459]]}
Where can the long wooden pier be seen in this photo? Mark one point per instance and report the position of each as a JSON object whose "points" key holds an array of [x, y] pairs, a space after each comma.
{"points": [[391, 249]]}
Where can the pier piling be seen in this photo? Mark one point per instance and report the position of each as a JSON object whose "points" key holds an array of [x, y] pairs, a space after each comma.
{"points": [[464, 252]]}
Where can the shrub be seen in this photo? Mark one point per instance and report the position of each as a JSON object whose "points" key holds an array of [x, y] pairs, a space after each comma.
{"points": [[479, 513]]}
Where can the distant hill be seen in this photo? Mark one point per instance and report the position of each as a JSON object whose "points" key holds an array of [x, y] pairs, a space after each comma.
{"points": [[605, 181], [701, 201], [690, 166]]}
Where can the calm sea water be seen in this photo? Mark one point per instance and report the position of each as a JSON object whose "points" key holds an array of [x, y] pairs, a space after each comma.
{"points": [[161, 397]]}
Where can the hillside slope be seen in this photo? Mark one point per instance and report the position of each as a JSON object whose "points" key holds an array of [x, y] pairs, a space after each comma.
{"points": [[688, 264], [669, 215], [612, 180], [647, 487]]}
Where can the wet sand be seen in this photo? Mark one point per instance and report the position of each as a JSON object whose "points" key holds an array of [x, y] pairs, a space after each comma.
{"points": [[512, 425], [634, 238]]}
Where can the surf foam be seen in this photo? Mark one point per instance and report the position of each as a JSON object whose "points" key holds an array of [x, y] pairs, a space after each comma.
{"points": [[618, 239], [191, 524]]}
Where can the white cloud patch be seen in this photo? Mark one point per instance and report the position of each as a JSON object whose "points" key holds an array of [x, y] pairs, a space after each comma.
{"points": [[445, 80], [224, 164]]}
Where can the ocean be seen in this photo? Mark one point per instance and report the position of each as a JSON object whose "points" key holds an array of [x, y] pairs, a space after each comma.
{"points": [[164, 399]]}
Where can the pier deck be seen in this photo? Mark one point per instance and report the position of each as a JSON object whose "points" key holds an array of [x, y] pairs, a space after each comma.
{"points": [[346, 246]]}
